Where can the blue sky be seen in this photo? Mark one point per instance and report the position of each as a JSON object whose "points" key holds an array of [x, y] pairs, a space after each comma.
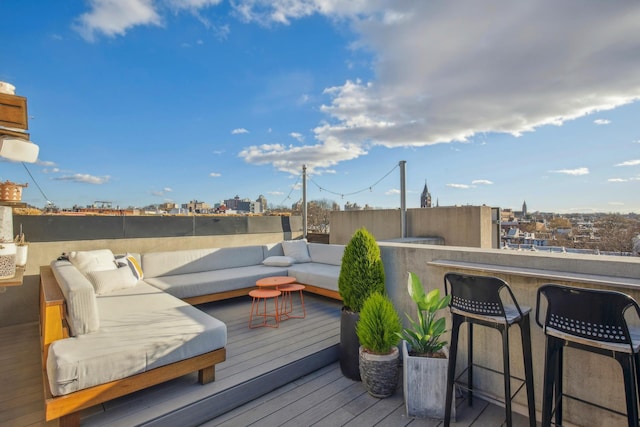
{"points": [[140, 102]]}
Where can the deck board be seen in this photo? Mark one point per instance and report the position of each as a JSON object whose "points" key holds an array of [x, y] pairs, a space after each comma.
{"points": [[284, 376]]}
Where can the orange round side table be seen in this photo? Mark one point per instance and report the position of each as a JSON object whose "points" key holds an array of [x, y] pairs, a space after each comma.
{"points": [[286, 302], [275, 281], [264, 295]]}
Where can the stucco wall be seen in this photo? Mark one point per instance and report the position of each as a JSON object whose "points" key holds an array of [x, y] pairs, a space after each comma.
{"points": [[458, 225]]}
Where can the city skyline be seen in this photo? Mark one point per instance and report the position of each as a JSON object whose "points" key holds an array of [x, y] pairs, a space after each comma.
{"points": [[142, 102]]}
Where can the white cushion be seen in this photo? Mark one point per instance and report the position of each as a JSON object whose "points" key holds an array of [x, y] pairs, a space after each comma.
{"points": [[326, 254], [80, 297], [279, 261], [133, 262], [108, 281], [186, 261], [97, 260], [296, 249]]}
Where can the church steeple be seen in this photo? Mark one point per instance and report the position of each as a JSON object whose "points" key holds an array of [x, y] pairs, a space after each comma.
{"points": [[425, 197], [524, 208]]}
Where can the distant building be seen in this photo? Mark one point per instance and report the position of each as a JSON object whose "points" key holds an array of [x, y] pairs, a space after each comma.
{"points": [[195, 206], [263, 202], [425, 197], [524, 208], [238, 205]]}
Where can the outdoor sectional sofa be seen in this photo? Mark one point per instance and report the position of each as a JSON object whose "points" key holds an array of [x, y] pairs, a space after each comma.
{"points": [[114, 325]]}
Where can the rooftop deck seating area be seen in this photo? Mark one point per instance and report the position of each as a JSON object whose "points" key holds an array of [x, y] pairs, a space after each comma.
{"points": [[525, 272], [132, 327]]}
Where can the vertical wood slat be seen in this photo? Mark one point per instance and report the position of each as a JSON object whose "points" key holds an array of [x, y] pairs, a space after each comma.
{"points": [[52, 312]]}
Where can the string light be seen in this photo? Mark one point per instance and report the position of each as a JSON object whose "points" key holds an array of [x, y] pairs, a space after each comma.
{"points": [[321, 189], [370, 188], [293, 187]]}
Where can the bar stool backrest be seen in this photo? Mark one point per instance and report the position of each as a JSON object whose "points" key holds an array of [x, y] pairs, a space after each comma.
{"points": [[592, 314], [478, 295]]}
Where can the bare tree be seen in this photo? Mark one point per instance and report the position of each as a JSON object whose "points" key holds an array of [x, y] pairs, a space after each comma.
{"points": [[616, 233]]}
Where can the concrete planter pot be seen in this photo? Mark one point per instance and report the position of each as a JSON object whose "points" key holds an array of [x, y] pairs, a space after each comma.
{"points": [[425, 385], [379, 372]]}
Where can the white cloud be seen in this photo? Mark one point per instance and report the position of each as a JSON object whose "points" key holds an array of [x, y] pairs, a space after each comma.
{"points": [[481, 182], [577, 171], [290, 159], [115, 17], [392, 192], [617, 180], [630, 163], [167, 190], [297, 136], [461, 186], [275, 193], [515, 67], [84, 178], [215, 174], [239, 131], [602, 121], [45, 163]]}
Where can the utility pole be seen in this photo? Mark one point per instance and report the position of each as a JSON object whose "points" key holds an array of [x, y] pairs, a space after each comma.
{"points": [[403, 199], [304, 201]]}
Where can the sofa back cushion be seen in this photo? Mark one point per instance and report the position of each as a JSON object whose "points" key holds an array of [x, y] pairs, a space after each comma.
{"points": [[157, 264], [96, 260], [296, 249], [326, 254], [80, 297], [272, 249]]}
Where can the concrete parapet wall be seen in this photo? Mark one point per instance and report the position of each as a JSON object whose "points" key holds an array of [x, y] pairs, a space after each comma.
{"points": [[458, 226]]}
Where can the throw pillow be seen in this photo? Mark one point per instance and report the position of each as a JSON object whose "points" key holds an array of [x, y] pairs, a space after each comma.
{"points": [[296, 249], [97, 260], [278, 261], [132, 262], [108, 281]]}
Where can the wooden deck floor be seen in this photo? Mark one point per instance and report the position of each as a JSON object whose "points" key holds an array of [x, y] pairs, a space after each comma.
{"points": [[285, 376]]}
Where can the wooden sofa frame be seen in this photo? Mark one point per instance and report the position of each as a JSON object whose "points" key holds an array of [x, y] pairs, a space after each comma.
{"points": [[201, 299], [53, 326]]}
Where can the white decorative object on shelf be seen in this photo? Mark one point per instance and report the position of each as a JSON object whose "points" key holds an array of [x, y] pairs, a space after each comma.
{"points": [[18, 150], [7, 88], [7, 260], [22, 249]]}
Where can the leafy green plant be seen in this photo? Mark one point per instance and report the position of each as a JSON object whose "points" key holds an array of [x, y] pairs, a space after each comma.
{"points": [[361, 271], [379, 326], [425, 335]]}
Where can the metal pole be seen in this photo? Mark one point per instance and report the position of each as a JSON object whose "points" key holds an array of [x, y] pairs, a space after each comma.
{"points": [[403, 199], [304, 201]]}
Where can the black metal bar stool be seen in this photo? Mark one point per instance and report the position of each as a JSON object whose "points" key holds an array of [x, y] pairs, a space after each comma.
{"points": [[591, 320], [477, 300]]}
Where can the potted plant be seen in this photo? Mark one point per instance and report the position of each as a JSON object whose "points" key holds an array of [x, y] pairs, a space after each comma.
{"points": [[361, 274], [378, 330], [424, 353]]}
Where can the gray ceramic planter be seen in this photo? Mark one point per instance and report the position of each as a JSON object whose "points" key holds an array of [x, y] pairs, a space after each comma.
{"points": [[380, 373]]}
